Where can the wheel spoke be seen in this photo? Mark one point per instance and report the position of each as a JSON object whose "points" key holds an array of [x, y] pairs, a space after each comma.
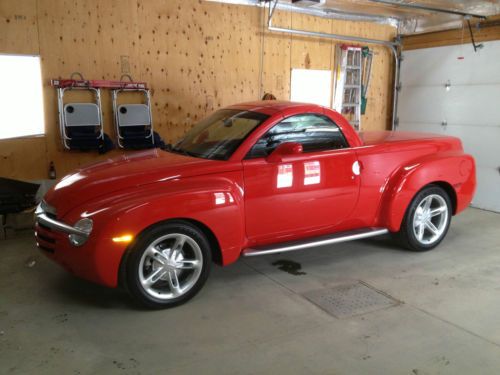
{"points": [[173, 282], [179, 243], [427, 203], [432, 227], [438, 211], [154, 277], [418, 216], [174, 255], [188, 264], [157, 255], [420, 234]]}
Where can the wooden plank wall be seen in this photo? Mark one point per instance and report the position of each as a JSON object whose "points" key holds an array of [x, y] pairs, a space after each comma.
{"points": [[197, 56]]}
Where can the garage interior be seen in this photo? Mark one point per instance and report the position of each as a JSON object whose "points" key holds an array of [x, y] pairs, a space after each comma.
{"points": [[434, 69]]}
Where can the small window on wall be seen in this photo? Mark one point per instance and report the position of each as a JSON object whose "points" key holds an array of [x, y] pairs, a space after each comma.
{"points": [[20, 96], [311, 86]]}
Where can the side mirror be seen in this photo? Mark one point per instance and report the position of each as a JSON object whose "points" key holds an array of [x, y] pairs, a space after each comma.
{"points": [[284, 149]]}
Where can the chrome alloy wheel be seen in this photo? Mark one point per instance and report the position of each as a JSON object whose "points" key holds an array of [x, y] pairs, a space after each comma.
{"points": [[430, 219], [170, 266]]}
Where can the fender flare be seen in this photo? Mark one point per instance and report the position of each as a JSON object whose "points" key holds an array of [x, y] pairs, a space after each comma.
{"points": [[446, 171], [210, 201]]}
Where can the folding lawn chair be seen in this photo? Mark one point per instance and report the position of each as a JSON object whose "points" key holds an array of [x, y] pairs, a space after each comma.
{"points": [[81, 124], [134, 123]]}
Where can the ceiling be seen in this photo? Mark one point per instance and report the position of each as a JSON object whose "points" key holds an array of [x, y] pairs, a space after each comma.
{"points": [[410, 16]]}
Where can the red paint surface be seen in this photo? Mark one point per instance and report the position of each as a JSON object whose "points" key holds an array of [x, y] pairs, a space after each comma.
{"points": [[254, 202]]}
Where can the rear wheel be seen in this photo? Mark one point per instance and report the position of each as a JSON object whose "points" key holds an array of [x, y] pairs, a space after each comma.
{"points": [[427, 219], [168, 265]]}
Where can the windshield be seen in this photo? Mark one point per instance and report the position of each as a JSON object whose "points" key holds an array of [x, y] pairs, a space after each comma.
{"points": [[219, 135]]}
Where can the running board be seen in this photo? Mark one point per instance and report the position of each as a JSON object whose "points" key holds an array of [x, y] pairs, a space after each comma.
{"points": [[315, 241]]}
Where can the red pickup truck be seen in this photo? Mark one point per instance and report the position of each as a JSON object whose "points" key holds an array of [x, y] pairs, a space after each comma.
{"points": [[251, 179]]}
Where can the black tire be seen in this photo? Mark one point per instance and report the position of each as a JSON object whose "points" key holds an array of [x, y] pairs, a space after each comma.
{"points": [[407, 235], [136, 264]]}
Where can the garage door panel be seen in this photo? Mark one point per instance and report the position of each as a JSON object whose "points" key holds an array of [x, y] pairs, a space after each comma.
{"points": [[421, 105], [462, 105], [488, 189], [434, 66], [421, 127], [472, 105], [480, 143]]}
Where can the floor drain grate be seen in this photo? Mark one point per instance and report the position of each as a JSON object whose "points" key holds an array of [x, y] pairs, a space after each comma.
{"points": [[350, 300]]}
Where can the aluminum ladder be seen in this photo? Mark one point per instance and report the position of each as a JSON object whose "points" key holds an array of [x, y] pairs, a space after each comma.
{"points": [[348, 83]]}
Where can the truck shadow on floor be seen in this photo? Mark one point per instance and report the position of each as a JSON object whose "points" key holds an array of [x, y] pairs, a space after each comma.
{"points": [[79, 291], [75, 290]]}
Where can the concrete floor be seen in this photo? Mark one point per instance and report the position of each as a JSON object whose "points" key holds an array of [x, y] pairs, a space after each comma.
{"points": [[251, 317]]}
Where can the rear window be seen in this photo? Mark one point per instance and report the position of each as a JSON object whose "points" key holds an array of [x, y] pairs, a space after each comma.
{"points": [[314, 132]]}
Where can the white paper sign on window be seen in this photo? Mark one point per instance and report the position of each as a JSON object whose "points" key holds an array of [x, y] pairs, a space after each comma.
{"points": [[312, 173], [285, 176]]}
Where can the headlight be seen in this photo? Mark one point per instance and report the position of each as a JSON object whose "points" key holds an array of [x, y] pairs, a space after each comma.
{"points": [[85, 225]]}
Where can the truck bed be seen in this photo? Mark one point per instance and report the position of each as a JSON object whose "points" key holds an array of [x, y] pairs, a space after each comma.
{"points": [[370, 138]]}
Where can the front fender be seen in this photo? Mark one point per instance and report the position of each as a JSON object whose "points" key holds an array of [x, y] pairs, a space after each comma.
{"points": [[215, 201], [454, 170]]}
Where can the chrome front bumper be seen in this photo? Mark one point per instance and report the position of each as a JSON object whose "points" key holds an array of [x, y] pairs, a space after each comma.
{"points": [[42, 216]]}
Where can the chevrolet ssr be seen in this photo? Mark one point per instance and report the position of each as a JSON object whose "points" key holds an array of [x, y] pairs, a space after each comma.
{"points": [[251, 179]]}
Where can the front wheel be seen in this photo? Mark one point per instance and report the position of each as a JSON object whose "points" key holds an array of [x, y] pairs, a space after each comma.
{"points": [[168, 265], [427, 219]]}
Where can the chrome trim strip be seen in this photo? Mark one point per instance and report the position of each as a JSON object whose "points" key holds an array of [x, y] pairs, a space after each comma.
{"points": [[318, 241], [57, 225]]}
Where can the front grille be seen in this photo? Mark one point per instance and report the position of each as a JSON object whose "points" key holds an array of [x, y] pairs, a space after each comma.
{"points": [[47, 249], [44, 227], [46, 238]]}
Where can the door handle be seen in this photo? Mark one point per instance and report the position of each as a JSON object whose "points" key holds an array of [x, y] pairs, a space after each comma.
{"points": [[356, 168]]}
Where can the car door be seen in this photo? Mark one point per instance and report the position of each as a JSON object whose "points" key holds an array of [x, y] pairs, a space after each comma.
{"points": [[310, 192]]}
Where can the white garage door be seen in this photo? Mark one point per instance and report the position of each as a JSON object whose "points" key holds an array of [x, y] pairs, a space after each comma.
{"points": [[469, 108]]}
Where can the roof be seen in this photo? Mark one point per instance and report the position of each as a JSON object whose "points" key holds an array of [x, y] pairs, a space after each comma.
{"points": [[273, 106]]}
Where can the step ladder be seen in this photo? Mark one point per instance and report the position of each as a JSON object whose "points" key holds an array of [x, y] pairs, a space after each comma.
{"points": [[366, 75], [348, 91]]}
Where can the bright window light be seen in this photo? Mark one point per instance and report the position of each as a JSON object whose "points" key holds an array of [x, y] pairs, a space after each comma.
{"points": [[21, 96], [311, 86]]}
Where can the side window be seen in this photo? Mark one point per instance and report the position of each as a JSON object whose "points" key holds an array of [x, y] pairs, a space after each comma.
{"points": [[314, 132]]}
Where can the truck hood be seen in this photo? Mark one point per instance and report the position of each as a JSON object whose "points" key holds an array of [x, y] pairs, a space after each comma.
{"points": [[125, 172]]}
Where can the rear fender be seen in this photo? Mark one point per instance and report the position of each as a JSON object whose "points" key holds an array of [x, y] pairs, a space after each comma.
{"points": [[455, 171]]}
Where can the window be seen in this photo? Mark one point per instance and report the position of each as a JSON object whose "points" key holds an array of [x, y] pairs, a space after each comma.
{"points": [[21, 96], [311, 86], [219, 135], [314, 132]]}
